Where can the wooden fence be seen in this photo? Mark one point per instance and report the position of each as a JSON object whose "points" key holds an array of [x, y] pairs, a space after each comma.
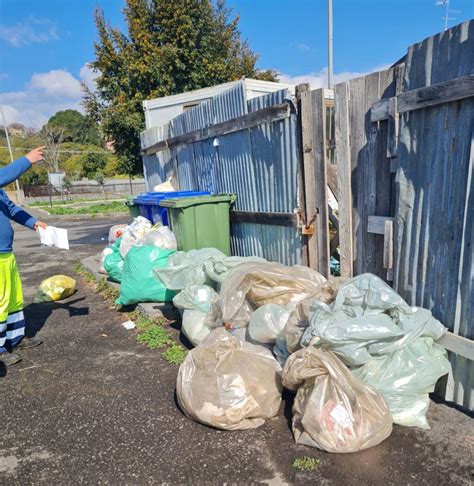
{"points": [[404, 157]]}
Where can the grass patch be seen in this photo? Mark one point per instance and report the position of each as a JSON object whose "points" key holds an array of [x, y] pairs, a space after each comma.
{"points": [[175, 354], [149, 332], [306, 463], [81, 270], [155, 337], [40, 204], [111, 207]]}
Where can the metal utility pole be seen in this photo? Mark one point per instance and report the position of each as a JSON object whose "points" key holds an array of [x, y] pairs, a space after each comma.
{"points": [[330, 63], [18, 194]]}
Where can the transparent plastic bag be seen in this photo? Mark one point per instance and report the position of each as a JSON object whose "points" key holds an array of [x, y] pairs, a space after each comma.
{"points": [[370, 325], [252, 285], [55, 288], [228, 383], [201, 311], [268, 322], [133, 234], [405, 377], [161, 237], [188, 268], [207, 266], [116, 232], [333, 410]]}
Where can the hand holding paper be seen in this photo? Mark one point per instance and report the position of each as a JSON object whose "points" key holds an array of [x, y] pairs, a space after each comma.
{"points": [[52, 236]]}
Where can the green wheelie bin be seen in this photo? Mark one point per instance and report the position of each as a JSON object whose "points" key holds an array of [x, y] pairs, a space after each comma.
{"points": [[201, 221]]}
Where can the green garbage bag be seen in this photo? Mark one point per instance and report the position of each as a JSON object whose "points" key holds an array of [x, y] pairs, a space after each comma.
{"points": [[113, 262], [139, 284]]}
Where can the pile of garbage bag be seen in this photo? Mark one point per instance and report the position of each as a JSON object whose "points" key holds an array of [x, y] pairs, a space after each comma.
{"points": [[388, 344], [228, 383], [358, 357]]}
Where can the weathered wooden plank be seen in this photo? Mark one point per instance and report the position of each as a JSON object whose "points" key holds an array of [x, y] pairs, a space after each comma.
{"points": [[331, 175], [300, 90], [458, 344], [388, 245], [344, 186], [318, 184], [436, 94], [376, 224], [260, 217], [266, 115], [392, 128], [312, 112]]}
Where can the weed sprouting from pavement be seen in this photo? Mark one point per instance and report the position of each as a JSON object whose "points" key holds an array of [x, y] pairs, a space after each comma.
{"points": [[81, 270], [155, 337], [175, 354], [306, 463], [149, 332]]}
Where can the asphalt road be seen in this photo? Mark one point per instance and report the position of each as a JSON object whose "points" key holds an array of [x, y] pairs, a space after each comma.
{"points": [[91, 406]]}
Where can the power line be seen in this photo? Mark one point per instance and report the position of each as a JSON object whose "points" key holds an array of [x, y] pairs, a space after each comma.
{"points": [[23, 149]]}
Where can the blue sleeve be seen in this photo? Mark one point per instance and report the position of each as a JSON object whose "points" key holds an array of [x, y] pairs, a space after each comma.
{"points": [[13, 171], [19, 215]]}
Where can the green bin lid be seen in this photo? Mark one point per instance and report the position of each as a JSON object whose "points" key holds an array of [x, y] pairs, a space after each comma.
{"points": [[184, 202]]}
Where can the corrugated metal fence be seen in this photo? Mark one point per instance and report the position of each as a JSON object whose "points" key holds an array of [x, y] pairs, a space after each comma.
{"points": [[258, 164], [433, 264], [407, 139]]}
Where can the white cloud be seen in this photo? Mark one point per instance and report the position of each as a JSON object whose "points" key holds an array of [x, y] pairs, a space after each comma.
{"points": [[56, 83], [301, 46], [44, 95], [88, 76], [32, 30], [320, 79]]}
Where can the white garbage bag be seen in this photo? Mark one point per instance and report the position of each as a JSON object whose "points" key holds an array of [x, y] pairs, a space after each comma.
{"points": [[200, 311], [165, 186]]}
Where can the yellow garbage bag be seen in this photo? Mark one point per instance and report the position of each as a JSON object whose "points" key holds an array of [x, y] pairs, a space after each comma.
{"points": [[55, 288]]}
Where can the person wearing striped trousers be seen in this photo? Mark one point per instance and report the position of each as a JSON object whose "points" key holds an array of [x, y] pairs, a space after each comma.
{"points": [[12, 320]]}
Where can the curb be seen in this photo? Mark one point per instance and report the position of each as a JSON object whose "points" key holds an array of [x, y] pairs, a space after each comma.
{"points": [[152, 310]]}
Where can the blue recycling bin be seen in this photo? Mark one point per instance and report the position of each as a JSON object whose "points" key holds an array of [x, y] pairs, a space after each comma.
{"points": [[149, 204]]}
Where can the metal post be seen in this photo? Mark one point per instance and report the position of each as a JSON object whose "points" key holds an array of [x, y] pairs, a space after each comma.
{"points": [[330, 62], [18, 194]]}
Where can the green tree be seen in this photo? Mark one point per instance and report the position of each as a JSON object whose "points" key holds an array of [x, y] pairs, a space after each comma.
{"points": [[93, 164], [171, 46], [77, 127]]}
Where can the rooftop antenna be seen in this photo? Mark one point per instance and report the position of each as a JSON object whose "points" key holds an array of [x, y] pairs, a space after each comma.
{"points": [[446, 18]]}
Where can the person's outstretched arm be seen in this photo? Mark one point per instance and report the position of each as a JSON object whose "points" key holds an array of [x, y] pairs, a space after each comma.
{"points": [[19, 215], [11, 172]]}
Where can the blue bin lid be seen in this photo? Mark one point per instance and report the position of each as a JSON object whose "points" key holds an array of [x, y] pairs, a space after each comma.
{"points": [[154, 198]]}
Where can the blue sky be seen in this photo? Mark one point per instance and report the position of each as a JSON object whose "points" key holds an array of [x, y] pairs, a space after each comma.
{"points": [[45, 44]]}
